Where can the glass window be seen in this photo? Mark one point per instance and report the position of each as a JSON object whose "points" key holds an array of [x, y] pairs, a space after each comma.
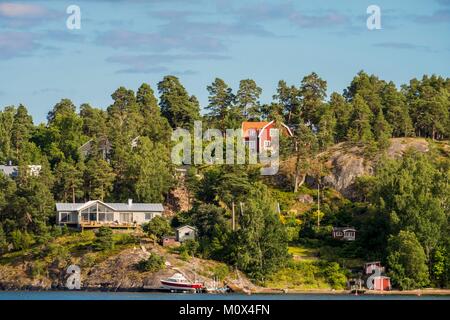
{"points": [[252, 132], [267, 143], [273, 132], [148, 216], [126, 217]]}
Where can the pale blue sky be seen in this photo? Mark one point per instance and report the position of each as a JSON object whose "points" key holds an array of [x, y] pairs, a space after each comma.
{"points": [[127, 42]]}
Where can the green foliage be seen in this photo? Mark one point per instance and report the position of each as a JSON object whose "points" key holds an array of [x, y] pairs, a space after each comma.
{"points": [[104, 239], [188, 248], [158, 227], [154, 263], [177, 106], [407, 261], [21, 240]]}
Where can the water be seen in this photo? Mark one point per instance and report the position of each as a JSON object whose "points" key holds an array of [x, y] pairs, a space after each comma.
{"points": [[84, 295]]}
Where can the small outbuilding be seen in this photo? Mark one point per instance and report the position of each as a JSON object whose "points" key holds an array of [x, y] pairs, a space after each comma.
{"points": [[186, 232], [344, 233], [169, 241], [371, 267], [382, 283]]}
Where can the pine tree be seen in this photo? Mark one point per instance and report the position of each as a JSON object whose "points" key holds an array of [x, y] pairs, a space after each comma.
{"points": [[360, 120], [180, 109], [98, 179], [382, 131], [313, 92], [221, 99], [247, 100], [342, 111], [156, 127]]}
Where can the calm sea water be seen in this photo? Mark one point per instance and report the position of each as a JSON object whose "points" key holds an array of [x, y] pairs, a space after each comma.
{"points": [[83, 295]]}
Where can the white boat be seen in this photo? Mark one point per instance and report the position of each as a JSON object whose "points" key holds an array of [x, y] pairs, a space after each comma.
{"points": [[179, 282]]}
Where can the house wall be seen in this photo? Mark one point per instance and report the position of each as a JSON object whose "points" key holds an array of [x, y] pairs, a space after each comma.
{"points": [[183, 236], [139, 217]]}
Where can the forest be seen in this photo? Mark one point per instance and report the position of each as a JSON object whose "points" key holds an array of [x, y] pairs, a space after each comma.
{"points": [[402, 211]]}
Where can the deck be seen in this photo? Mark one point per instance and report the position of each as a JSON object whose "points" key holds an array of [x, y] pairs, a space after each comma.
{"points": [[97, 224]]}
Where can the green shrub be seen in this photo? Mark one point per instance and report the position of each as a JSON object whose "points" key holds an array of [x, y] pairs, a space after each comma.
{"points": [[154, 263], [38, 269], [189, 248], [104, 239], [21, 240]]}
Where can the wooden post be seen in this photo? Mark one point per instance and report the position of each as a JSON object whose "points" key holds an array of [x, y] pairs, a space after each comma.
{"points": [[242, 209], [233, 216]]}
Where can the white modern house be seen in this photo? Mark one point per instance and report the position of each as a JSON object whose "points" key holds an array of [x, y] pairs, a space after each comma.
{"points": [[94, 214]]}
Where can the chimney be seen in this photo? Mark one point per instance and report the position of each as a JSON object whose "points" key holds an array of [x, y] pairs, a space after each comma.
{"points": [[130, 202]]}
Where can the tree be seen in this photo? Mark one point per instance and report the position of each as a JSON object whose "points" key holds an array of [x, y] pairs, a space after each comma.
{"points": [[98, 179], [368, 88], [342, 112], [396, 111], [94, 121], [6, 127], [177, 106], [21, 131], [429, 105], [149, 171], [326, 127], [68, 181], [289, 100], [407, 262], [64, 133], [410, 193], [158, 227], [360, 122], [382, 131], [259, 247], [220, 102], [104, 239], [312, 92], [247, 100], [156, 127]]}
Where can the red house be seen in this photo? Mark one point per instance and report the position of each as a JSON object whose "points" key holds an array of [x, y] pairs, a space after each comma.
{"points": [[258, 135]]}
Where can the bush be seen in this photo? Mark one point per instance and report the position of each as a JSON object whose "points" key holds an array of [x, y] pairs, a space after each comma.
{"points": [[158, 227], [21, 240], [154, 263], [189, 248], [125, 238], [104, 239], [38, 269], [57, 255]]}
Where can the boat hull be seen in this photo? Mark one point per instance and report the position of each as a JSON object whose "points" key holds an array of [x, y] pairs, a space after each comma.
{"points": [[181, 286]]}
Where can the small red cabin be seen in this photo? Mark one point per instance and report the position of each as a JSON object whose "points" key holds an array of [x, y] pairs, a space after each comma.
{"points": [[382, 283]]}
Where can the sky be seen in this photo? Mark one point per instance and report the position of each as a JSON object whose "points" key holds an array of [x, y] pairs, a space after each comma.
{"points": [[128, 42]]}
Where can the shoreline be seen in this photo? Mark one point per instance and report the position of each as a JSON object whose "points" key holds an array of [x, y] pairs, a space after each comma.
{"points": [[265, 291]]}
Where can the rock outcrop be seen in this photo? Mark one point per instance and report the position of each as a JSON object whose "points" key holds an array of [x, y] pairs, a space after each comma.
{"points": [[345, 163]]}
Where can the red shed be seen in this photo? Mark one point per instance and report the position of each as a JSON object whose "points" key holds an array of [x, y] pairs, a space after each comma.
{"points": [[382, 283]]}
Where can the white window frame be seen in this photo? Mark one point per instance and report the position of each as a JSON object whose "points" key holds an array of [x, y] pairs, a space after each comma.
{"points": [[271, 131]]}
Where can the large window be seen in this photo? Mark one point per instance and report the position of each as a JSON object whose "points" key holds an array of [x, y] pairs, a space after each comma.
{"points": [[68, 217], [126, 217], [97, 210]]}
